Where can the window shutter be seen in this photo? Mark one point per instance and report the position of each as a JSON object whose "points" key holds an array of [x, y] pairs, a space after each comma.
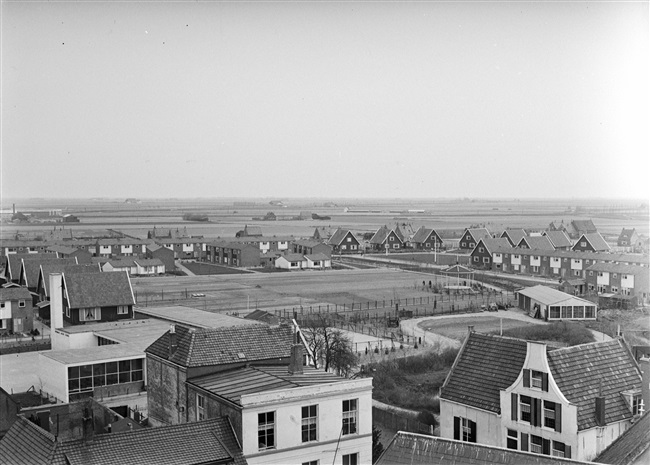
{"points": [[567, 452], [456, 427], [524, 442], [558, 418], [514, 406], [545, 382], [526, 378], [538, 412], [546, 447], [472, 431]]}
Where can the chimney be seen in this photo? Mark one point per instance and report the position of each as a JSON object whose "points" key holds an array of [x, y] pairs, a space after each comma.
{"points": [[172, 340], [600, 407], [88, 425], [56, 300], [644, 366], [295, 363], [470, 329]]}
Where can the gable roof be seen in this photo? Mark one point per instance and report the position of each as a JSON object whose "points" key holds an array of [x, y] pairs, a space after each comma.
{"points": [[202, 442], [31, 268], [292, 257], [477, 233], [626, 234], [485, 365], [492, 244], [580, 371], [222, 346], [422, 234], [583, 226], [98, 289], [558, 238], [48, 268], [550, 296], [514, 235], [537, 242], [629, 446], [339, 235], [414, 449], [382, 235], [596, 240]]}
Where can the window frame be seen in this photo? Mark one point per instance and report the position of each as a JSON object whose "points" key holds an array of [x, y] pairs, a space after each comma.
{"points": [[350, 417], [200, 407], [265, 428], [309, 423]]}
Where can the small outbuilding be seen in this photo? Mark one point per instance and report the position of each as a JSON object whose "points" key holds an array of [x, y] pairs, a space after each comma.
{"points": [[551, 304]]}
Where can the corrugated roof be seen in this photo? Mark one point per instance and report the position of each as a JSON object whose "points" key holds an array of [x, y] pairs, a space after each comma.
{"points": [[222, 346], [234, 384], [485, 365], [581, 371], [98, 289], [417, 449]]}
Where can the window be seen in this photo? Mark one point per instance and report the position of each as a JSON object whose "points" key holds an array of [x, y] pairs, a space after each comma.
{"points": [[637, 404], [486, 260], [2, 305], [463, 244], [480, 249], [591, 273], [554, 313], [464, 429], [549, 414], [67, 312], [351, 459], [536, 444], [310, 423], [266, 430], [200, 407], [21, 303], [615, 275], [349, 239], [583, 244], [536, 379], [312, 462], [476, 259], [122, 309], [90, 314], [512, 440], [524, 408], [559, 450], [350, 416]]}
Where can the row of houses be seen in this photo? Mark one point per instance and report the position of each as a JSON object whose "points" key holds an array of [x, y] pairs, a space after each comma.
{"points": [[604, 273]]}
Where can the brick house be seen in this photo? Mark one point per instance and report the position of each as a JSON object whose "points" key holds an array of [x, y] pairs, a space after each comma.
{"points": [[16, 310], [233, 254], [343, 242], [387, 239], [165, 255], [311, 246], [471, 236], [591, 242], [628, 238], [426, 239], [518, 394], [619, 279], [482, 255]]}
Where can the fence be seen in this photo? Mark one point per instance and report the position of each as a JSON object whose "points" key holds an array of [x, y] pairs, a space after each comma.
{"points": [[396, 422], [9, 345]]}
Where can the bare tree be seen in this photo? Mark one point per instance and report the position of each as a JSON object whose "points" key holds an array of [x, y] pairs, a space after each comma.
{"points": [[330, 346]]}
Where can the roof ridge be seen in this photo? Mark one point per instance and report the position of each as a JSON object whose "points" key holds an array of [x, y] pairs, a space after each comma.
{"points": [[585, 345]]}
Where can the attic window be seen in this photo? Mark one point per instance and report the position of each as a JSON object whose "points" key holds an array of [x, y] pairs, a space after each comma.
{"points": [[21, 303], [241, 355]]}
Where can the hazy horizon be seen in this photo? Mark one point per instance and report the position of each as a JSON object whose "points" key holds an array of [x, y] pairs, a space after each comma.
{"points": [[426, 100]]}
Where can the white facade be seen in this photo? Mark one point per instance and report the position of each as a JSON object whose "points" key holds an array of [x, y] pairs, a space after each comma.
{"points": [[290, 264], [330, 445]]}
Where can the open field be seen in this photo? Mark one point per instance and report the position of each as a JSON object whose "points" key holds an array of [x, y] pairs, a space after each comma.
{"points": [[228, 216]]}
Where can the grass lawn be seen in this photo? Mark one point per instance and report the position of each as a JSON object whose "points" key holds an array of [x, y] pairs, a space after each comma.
{"points": [[208, 269], [456, 328]]}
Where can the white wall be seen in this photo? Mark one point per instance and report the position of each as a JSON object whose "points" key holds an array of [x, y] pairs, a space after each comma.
{"points": [[595, 440], [604, 279], [288, 404], [488, 424], [54, 376]]}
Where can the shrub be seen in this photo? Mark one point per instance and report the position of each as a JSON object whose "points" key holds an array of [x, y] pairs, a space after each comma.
{"points": [[567, 332], [426, 417]]}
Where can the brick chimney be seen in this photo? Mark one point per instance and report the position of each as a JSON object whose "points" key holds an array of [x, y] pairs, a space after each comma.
{"points": [[295, 363], [173, 345], [600, 407], [644, 365]]}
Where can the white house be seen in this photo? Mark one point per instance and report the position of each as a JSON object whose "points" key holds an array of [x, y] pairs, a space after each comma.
{"points": [[291, 261], [318, 261], [511, 393], [149, 266], [551, 304]]}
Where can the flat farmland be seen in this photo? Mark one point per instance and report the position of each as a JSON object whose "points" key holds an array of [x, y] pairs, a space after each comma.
{"points": [[284, 290]]}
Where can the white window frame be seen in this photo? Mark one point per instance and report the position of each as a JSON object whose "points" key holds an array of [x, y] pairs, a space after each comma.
{"points": [[351, 459], [21, 304], [200, 407], [310, 421], [122, 309], [350, 419], [266, 427], [84, 312]]}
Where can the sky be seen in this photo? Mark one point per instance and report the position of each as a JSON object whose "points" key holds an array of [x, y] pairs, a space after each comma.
{"points": [[325, 99]]}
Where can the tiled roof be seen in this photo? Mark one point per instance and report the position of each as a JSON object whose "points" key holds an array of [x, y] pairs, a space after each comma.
{"points": [[148, 261], [580, 371], [596, 240], [584, 226], [600, 256], [515, 235], [558, 238], [317, 257], [14, 293], [478, 233], [98, 289], [537, 242], [222, 346], [630, 445], [26, 443], [417, 449], [620, 268], [380, 235], [234, 384], [338, 236], [626, 234], [421, 235], [210, 441], [48, 268], [485, 365], [123, 262], [64, 249], [307, 242], [492, 244], [231, 245], [293, 257], [32, 268]]}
